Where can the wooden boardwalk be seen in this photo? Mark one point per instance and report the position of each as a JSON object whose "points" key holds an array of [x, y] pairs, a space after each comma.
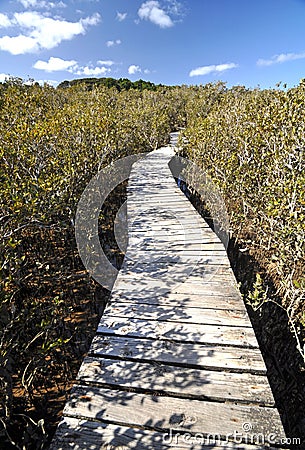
{"points": [[175, 362]]}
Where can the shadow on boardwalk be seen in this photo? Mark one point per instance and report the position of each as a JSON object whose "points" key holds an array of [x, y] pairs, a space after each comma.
{"points": [[171, 356]]}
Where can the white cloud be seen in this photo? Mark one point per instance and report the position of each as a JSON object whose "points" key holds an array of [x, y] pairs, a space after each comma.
{"points": [[133, 69], [4, 21], [176, 8], [3, 77], [58, 64], [54, 64], [92, 20], [41, 32], [112, 43], [152, 11], [29, 3], [18, 45], [91, 71], [41, 4], [206, 70], [278, 59], [105, 63], [121, 16]]}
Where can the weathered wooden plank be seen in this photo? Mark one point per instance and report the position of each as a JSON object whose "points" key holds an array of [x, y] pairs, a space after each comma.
{"points": [[174, 243], [168, 274], [158, 221], [155, 288], [200, 269], [178, 265], [180, 228], [166, 203], [195, 355], [214, 282], [169, 211], [138, 270], [210, 288], [152, 253], [171, 234], [154, 182], [154, 177], [157, 245], [144, 192], [169, 192], [185, 382], [177, 205], [195, 333], [159, 202], [169, 195], [179, 257], [163, 210], [190, 300], [80, 434], [201, 334], [181, 315], [162, 413], [191, 232], [183, 249], [141, 193]]}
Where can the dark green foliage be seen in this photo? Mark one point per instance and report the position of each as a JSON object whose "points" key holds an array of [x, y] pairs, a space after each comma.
{"points": [[121, 84]]}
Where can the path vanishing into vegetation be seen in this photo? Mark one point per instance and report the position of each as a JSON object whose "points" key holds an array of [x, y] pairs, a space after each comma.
{"points": [[175, 362]]}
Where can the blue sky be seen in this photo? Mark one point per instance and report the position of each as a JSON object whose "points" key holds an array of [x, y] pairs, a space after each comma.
{"points": [[165, 41]]}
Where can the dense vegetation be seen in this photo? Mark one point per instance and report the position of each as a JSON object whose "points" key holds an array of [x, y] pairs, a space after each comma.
{"points": [[121, 84], [52, 141], [251, 142]]}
